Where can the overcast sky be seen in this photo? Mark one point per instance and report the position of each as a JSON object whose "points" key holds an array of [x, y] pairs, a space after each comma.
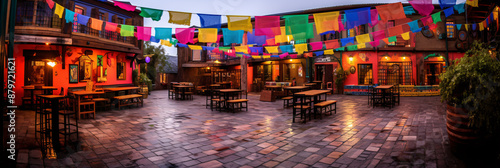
{"points": [[238, 7]]}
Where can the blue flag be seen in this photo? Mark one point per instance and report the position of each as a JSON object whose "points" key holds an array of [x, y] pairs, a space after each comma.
{"points": [[413, 25], [286, 48], [460, 8], [447, 3], [153, 39], [82, 19], [210, 21], [232, 36], [459, 26], [318, 53], [163, 33], [345, 41], [448, 12]]}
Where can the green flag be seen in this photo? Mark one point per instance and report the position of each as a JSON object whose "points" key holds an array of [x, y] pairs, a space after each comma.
{"points": [[127, 30], [392, 39], [151, 13]]}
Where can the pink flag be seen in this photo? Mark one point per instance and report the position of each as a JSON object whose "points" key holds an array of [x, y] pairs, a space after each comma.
{"points": [[125, 6], [284, 55], [110, 26], [374, 17], [218, 38], [426, 20], [424, 7], [267, 25], [378, 35], [341, 25], [50, 3], [316, 45], [375, 43], [143, 33], [185, 35], [293, 55]]}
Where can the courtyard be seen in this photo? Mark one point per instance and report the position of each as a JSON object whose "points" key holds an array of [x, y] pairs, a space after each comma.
{"points": [[169, 133]]}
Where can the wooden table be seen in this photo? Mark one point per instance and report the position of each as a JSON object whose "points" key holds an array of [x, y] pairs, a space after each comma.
{"points": [[45, 89], [117, 89], [181, 89], [54, 101], [384, 89], [226, 92], [294, 89], [225, 85], [79, 94], [316, 94], [215, 86], [273, 87]]}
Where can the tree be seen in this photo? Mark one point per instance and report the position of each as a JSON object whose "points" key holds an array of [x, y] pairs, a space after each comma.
{"points": [[158, 63]]}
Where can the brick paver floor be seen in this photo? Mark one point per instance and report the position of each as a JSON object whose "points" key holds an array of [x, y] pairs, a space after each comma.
{"points": [[169, 133]]}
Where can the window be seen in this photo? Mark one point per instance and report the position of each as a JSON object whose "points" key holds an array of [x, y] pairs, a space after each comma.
{"points": [[79, 9], [196, 55], [365, 74], [351, 32], [119, 20], [102, 16], [450, 29]]}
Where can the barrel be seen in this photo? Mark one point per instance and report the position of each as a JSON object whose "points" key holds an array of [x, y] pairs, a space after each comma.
{"points": [[462, 137]]}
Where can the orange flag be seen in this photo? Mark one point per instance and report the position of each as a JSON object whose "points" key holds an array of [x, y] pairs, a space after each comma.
{"points": [[394, 31], [386, 40], [391, 11], [96, 24]]}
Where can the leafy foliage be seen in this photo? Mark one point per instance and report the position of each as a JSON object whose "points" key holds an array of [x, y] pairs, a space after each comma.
{"points": [[135, 75], [159, 60], [473, 83], [144, 80]]}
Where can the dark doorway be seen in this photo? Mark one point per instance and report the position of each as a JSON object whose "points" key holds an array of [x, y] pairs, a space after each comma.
{"points": [[324, 73], [36, 71], [432, 72]]}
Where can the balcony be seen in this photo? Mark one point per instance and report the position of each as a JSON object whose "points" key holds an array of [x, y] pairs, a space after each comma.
{"points": [[34, 17], [109, 35]]}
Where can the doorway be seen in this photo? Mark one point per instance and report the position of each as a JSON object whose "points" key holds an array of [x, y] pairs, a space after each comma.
{"points": [[36, 70], [324, 73], [432, 72]]}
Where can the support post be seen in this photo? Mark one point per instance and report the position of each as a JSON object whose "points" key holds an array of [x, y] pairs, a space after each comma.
{"points": [[243, 73]]}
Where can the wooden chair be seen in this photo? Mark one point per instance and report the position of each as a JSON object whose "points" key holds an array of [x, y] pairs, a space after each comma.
{"points": [[171, 92], [238, 103], [286, 101], [190, 93], [300, 103], [101, 102], [376, 97], [217, 99], [69, 128], [396, 94]]}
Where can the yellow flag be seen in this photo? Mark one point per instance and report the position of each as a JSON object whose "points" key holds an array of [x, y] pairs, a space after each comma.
{"points": [[283, 38], [207, 35], [241, 49], [266, 56], [165, 43], [300, 48], [180, 18], [361, 45], [466, 27], [473, 3], [195, 47], [406, 36], [272, 49], [365, 38], [59, 10], [256, 57], [327, 21], [328, 52], [239, 23], [481, 26]]}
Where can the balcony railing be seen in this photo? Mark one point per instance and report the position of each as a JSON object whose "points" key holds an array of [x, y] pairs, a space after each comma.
{"points": [[110, 35], [36, 13]]}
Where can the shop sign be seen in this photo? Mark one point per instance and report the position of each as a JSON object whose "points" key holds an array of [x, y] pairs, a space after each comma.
{"points": [[40, 39], [323, 59]]}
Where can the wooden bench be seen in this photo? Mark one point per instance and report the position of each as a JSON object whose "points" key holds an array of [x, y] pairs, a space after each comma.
{"points": [[126, 100], [286, 101], [325, 105], [240, 102]]}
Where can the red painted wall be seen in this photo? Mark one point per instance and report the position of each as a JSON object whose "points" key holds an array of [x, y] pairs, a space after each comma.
{"points": [[61, 76], [371, 58]]}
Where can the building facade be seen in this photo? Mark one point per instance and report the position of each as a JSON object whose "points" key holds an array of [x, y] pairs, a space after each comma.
{"points": [[80, 53], [414, 63]]}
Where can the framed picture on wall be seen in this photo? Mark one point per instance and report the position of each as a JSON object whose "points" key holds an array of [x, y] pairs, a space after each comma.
{"points": [[85, 68], [120, 70], [73, 73]]}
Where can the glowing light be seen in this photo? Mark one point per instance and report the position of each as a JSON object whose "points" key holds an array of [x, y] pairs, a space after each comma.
{"points": [[208, 67], [51, 63], [291, 60], [386, 57], [217, 61], [47, 43], [441, 57], [350, 58], [404, 57]]}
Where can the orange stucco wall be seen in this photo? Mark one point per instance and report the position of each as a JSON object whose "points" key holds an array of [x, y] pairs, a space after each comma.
{"points": [[61, 76]]}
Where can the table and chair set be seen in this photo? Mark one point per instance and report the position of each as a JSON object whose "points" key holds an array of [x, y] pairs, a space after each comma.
{"points": [[312, 103], [53, 113], [384, 95], [227, 100]]}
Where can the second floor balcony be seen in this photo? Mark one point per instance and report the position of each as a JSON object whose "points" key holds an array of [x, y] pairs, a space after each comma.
{"points": [[34, 17]]}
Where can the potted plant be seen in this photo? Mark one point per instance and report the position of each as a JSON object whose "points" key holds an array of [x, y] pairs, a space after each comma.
{"points": [[145, 84], [340, 76], [471, 89]]}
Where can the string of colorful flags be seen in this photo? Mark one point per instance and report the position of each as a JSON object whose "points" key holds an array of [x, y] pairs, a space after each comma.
{"points": [[268, 32]]}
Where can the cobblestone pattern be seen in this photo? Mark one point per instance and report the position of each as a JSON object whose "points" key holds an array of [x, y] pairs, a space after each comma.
{"points": [[169, 133]]}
